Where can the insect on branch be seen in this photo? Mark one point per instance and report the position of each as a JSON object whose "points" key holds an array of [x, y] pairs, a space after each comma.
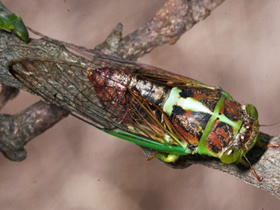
{"points": [[169, 23]]}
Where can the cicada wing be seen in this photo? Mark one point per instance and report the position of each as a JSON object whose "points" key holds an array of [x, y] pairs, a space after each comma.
{"points": [[150, 121], [64, 84], [151, 73], [67, 85]]}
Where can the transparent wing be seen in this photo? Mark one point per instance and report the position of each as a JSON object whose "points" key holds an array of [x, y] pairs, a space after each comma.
{"points": [[64, 84], [67, 85]]}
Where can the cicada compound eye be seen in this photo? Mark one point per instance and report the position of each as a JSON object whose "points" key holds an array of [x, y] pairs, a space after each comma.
{"points": [[230, 156], [252, 111]]}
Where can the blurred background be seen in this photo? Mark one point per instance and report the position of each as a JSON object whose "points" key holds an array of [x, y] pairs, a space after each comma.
{"points": [[75, 166]]}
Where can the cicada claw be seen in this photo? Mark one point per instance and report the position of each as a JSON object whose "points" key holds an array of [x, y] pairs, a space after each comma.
{"points": [[273, 146]]}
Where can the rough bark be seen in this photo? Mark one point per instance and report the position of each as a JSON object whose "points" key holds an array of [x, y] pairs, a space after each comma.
{"points": [[176, 17], [168, 24]]}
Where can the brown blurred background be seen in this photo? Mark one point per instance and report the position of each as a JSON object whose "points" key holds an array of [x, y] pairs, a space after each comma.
{"points": [[75, 166]]}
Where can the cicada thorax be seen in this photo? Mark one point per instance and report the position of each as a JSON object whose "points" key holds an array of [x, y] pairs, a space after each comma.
{"points": [[190, 110], [194, 113], [213, 123], [202, 119]]}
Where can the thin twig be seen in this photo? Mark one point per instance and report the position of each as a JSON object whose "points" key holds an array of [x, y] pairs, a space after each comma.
{"points": [[17, 130]]}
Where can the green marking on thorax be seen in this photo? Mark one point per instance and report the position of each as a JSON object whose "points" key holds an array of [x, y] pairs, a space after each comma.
{"points": [[196, 106], [173, 97], [186, 103], [193, 105], [202, 149]]}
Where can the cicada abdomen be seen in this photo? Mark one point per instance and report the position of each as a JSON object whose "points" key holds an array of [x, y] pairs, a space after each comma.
{"points": [[114, 89], [162, 109], [113, 95]]}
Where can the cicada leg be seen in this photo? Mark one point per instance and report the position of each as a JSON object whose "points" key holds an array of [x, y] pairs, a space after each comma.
{"points": [[164, 157], [273, 146], [167, 158], [245, 162], [264, 145]]}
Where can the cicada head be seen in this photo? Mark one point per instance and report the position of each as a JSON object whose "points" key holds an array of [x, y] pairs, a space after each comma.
{"points": [[245, 139]]}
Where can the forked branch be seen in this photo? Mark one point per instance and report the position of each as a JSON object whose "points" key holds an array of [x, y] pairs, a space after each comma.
{"points": [[170, 22]]}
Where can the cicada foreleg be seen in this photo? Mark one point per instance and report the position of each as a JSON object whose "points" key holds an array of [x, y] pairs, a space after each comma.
{"points": [[274, 146], [245, 162], [167, 158]]}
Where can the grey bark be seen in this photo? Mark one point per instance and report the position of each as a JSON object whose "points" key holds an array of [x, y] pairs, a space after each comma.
{"points": [[176, 17]]}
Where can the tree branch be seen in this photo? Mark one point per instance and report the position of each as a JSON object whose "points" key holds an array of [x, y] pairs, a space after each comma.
{"points": [[17, 130], [169, 23], [166, 27], [266, 163]]}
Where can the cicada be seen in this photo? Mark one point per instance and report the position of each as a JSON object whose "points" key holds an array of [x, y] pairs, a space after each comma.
{"points": [[175, 115], [171, 114]]}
